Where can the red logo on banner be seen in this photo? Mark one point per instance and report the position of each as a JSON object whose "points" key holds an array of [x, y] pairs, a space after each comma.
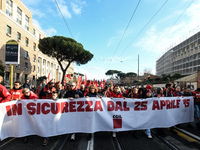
{"points": [[117, 121]]}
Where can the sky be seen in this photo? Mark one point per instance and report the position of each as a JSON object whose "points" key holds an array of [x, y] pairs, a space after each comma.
{"points": [[117, 31]]}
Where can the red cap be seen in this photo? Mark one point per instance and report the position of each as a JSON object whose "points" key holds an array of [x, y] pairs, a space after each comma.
{"points": [[148, 87]]}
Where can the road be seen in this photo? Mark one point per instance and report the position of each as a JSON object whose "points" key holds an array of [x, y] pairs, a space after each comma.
{"points": [[183, 137]]}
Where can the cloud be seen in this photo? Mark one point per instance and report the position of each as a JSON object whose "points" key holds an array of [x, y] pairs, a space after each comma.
{"points": [[37, 12], [160, 40], [48, 32], [64, 9], [37, 25], [92, 73], [76, 9], [31, 2]]}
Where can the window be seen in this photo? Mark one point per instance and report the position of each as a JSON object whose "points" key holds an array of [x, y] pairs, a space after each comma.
{"points": [[17, 76], [18, 36], [33, 31], [19, 15], [33, 68], [33, 78], [26, 66], [34, 46], [8, 30], [7, 76], [27, 41], [26, 55], [39, 36], [27, 22], [26, 77], [34, 58], [9, 5]]}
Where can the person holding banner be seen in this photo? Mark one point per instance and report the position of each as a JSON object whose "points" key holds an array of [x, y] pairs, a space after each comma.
{"points": [[5, 96], [133, 93], [177, 92], [93, 91], [72, 93], [46, 92], [116, 94], [83, 89], [196, 95], [60, 90], [148, 95], [54, 97], [27, 94], [160, 92], [168, 91], [16, 92]]}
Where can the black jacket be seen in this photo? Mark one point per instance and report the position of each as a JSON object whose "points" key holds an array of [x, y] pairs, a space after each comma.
{"points": [[73, 93]]}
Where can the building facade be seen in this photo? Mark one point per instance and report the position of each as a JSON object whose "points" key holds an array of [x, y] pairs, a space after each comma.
{"points": [[16, 24], [184, 58]]}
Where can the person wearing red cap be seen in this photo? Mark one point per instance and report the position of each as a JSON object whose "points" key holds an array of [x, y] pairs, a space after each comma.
{"points": [[5, 96], [148, 87]]}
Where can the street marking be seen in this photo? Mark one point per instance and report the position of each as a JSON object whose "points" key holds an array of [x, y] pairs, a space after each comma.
{"points": [[7, 142], [188, 133], [91, 143], [190, 139]]}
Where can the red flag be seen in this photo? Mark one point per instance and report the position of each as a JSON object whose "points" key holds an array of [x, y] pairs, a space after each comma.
{"points": [[101, 84], [85, 80], [65, 79], [48, 78], [38, 90], [69, 76], [96, 83], [111, 83], [104, 83], [78, 82]]}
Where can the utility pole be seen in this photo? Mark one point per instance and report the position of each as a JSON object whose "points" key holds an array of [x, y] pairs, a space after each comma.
{"points": [[138, 68]]}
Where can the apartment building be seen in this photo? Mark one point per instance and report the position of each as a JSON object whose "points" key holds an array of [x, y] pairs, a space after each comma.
{"points": [[184, 58], [16, 24]]}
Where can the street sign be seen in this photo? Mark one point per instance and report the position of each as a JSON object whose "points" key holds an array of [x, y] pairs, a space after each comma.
{"points": [[12, 52]]}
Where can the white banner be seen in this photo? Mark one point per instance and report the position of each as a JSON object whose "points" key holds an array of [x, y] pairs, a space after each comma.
{"points": [[49, 118]]}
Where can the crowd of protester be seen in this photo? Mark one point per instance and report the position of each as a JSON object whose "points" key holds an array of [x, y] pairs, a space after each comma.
{"points": [[57, 90]]}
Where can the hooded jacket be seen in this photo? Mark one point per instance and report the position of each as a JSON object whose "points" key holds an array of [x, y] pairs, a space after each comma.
{"points": [[5, 96]]}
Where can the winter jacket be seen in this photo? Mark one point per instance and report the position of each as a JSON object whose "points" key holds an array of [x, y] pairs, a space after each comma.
{"points": [[5, 96], [91, 94], [16, 93], [31, 96], [116, 95], [44, 94], [72, 93]]}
